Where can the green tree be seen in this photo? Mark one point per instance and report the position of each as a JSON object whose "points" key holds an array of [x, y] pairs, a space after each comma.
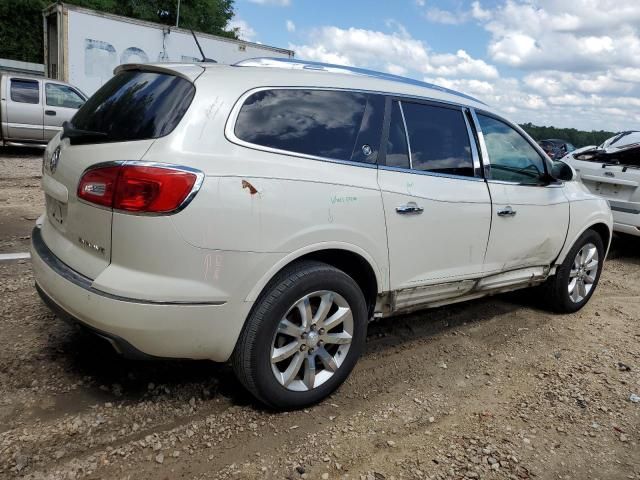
{"points": [[579, 138], [21, 20]]}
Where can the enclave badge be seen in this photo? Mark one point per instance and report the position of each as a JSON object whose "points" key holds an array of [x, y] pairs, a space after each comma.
{"points": [[53, 161]]}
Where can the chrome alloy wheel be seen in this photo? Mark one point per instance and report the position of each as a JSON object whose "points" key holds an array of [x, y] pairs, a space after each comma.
{"points": [[583, 273], [312, 340]]}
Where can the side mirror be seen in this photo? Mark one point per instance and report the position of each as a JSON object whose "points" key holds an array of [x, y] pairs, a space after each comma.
{"points": [[562, 171]]}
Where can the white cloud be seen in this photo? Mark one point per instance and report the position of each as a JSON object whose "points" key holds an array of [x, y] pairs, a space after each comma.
{"points": [[446, 17], [275, 3], [479, 13], [387, 51], [579, 60], [577, 35], [458, 16], [291, 27], [242, 29], [571, 63]]}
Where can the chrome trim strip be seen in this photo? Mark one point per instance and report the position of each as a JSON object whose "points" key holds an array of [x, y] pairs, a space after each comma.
{"points": [[406, 134], [27, 126], [194, 190], [486, 161], [430, 174], [477, 168], [66, 272]]}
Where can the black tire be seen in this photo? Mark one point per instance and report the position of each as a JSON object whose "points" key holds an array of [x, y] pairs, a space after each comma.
{"points": [[251, 358], [557, 286]]}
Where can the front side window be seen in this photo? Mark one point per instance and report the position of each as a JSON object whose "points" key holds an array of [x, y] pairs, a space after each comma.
{"points": [[438, 139], [512, 158], [62, 96], [330, 124], [25, 91]]}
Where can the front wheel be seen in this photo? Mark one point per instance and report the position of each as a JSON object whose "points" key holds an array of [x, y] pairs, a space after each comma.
{"points": [[303, 336], [576, 279]]}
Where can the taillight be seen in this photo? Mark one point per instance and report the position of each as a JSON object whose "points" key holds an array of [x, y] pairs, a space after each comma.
{"points": [[137, 188], [97, 185]]}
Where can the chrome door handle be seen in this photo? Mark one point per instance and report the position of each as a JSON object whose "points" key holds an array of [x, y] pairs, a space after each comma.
{"points": [[507, 212], [408, 208]]}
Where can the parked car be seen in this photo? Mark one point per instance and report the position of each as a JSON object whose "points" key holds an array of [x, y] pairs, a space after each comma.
{"points": [[264, 212], [33, 109], [612, 170], [555, 148]]}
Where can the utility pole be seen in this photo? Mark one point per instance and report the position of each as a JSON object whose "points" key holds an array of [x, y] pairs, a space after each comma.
{"points": [[178, 15]]}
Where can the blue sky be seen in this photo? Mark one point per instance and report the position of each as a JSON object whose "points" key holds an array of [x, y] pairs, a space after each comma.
{"points": [[573, 63], [270, 21]]}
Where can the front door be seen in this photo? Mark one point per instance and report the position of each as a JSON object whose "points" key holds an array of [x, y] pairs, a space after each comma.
{"points": [[530, 216], [437, 207], [61, 103]]}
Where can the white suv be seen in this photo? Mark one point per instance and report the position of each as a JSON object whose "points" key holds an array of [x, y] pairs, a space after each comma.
{"points": [[265, 212]]}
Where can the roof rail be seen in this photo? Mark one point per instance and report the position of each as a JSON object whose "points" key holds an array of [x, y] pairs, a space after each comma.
{"points": [[295, 64]]}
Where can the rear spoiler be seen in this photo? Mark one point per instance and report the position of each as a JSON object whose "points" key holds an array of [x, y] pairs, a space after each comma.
{"points": [[188, 71]]}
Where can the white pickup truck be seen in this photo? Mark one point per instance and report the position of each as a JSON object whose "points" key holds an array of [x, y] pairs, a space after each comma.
{"points": [[33, 109]]}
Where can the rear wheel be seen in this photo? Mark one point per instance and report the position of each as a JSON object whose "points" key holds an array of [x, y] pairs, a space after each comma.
{"points": [[576, 279], [303, 336]]}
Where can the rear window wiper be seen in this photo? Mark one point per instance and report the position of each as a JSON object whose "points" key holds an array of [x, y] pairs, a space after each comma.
{"points": [[70, 131]]}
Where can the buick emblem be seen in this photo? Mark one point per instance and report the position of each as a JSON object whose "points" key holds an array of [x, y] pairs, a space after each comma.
{"points": [[53, 161]]}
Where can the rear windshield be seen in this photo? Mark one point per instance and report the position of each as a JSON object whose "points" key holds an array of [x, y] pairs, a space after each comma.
{"points": [[133, 105]]}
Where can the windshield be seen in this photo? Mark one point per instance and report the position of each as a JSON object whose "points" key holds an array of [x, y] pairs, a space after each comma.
{"points": [[133, 105]]}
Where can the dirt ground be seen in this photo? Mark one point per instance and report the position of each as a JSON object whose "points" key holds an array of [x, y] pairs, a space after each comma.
{"points": [[496, 388]]}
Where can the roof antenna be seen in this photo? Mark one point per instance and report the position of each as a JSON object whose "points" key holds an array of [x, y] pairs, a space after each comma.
{"points": [[204, 59]]}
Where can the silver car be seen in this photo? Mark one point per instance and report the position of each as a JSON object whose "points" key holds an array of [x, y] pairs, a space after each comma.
{"points": [[33, 109]]}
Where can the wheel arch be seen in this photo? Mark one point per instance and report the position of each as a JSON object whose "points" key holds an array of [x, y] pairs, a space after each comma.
{"points": [[352, 260], [605, 233], [600, 227]]}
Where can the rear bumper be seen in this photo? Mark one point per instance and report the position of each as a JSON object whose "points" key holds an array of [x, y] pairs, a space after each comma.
{"points": [[628, 229], [626, 221], [137, 328]]}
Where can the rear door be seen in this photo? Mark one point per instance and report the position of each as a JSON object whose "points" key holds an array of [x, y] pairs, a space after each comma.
{"points": [[118, 123], [24, 109], [61, 102], [437, 205], [530, 217]]}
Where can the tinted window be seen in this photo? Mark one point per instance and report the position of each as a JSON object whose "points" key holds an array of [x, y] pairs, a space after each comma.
{"points": [[330, 124], [134, 105], [512, 158], [368, 141], [438, 139], [397, 152], [62, 96], [25, 91]]}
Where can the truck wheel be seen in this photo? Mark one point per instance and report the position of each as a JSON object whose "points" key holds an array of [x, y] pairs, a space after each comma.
{"points": [[576, 279], [303, 336]]}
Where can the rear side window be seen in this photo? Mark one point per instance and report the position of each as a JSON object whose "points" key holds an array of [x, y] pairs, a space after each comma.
{"points": [[438, 139], [133, 105], [25, 91], [329, 124]]}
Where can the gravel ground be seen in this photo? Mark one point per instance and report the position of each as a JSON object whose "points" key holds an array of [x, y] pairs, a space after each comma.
{"points": [[496, 388]]}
